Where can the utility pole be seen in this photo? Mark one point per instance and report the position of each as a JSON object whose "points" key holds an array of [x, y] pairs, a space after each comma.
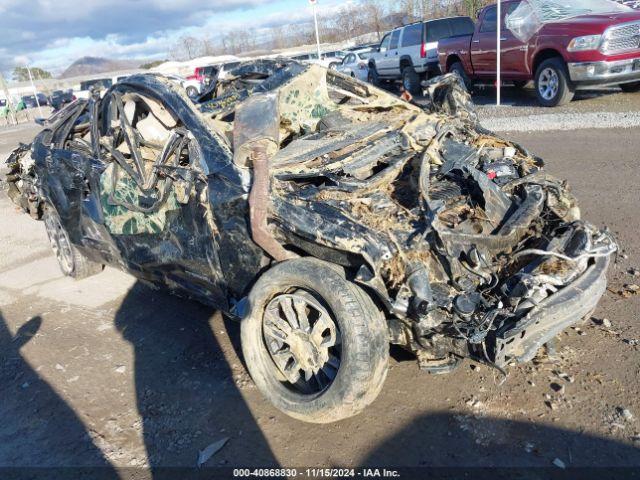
{"points": [[314, 3], [11, 109], [35, 91], [499, 54]]}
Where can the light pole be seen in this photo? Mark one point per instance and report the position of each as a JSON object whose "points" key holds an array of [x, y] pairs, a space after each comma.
{"points": [[499, 54], [35, 91], [314, 4]]}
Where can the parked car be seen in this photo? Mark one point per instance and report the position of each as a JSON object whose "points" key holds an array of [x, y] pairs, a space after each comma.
{"points": [[307, 207], [60, 98], [101, 84], [410, 53], [330, 59], [30, 100], [196, 83], [355, 64], [582, 50]]}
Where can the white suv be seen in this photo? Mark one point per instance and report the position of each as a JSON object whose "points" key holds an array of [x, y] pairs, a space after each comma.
{"points": [[410, 52]]}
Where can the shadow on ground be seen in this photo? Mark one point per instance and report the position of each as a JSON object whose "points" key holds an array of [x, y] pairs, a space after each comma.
{"points": [[38, 428], [450, 440], [526, 97], [185, 388]]}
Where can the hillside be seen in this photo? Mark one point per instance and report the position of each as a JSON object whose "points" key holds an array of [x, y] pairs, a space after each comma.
{"points": [[96, 65]]}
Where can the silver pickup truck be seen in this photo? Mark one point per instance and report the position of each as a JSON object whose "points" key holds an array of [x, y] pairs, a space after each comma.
{"points": [[410, 52]]}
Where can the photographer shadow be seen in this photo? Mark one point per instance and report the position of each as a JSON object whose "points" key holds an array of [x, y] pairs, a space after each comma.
{"points": [[39, 429], [186, 392]]}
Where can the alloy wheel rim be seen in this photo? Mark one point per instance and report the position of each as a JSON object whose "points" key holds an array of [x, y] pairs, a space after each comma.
{"points": [[59, 244], [549, 84], [303, 341]]}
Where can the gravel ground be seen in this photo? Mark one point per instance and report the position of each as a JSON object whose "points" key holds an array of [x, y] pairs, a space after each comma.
{"points": [[591, 109]]}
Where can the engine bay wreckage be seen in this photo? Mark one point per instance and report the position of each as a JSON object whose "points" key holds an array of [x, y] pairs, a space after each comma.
{"points": [[460, 238]]}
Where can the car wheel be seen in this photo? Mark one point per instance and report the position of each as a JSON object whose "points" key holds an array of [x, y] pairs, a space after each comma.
{"points": [[192, 92], [630, 87], [372, 76], [553, 86], [72, 262], [410, 80], [458, 69], [314, 343]]}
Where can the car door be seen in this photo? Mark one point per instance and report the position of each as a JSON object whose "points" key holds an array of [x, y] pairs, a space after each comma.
{"points": [[389, 65], [484, 47], [514, 51], [347, 64], [154, 195]]}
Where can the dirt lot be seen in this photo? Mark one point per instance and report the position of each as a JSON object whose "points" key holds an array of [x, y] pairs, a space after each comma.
{"points": [[105, 372]]}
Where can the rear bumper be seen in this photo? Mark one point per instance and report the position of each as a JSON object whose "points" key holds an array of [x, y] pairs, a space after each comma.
{"points": [[605, 73], [521, 342]]}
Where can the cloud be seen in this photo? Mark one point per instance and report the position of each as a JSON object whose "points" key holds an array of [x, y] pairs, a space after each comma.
{"points": [[31, 26], [54, 33]]}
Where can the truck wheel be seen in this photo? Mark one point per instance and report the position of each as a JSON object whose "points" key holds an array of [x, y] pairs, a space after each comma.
{"points": [[72, 263], [411, 80], [630, 87], [372, 76], [553, 86], [192, 92], [314, 343], [458, 68]]}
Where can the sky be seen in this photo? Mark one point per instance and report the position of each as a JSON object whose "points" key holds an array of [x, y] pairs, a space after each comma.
{"points": [[51, 34]]}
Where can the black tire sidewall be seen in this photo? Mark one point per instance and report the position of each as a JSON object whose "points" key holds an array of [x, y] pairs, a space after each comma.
{"points": [[565, 88], [409, 71], [373, 76], [354, 387], [630, 87]]}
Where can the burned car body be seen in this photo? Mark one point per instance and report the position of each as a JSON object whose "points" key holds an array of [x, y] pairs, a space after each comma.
{"points": [[331, 216]]}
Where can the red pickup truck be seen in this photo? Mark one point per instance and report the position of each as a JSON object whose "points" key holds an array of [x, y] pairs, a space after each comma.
{"points": [[581, 51]]}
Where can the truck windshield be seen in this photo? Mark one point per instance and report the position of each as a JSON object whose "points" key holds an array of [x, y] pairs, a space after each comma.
{"points": [[525, 21]]}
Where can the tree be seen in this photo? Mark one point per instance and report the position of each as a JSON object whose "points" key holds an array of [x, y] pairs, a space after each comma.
{"points": [[373, 12], [187, 48], [21, 74], [150, 65]]}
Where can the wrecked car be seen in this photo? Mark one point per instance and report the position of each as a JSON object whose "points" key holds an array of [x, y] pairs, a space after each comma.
{"points": [[330, 217]]}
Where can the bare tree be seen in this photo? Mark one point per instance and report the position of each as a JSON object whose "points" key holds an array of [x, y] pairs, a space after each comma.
{"points": [[187, 48], [373, 12]]}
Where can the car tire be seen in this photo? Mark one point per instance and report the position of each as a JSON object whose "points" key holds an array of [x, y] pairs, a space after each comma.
{"points": [[458, 68], [354, 342], [630, 87], [192, 92], [373, 77], [72, 263], [411, 80], [553, 86]]}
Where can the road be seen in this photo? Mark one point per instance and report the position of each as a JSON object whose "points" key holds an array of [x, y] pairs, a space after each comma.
{"points": [[106, 372]]}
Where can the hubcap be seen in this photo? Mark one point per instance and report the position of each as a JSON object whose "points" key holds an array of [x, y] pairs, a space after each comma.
{"points": [[303, 341], [59, 243], [548, 84]]}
